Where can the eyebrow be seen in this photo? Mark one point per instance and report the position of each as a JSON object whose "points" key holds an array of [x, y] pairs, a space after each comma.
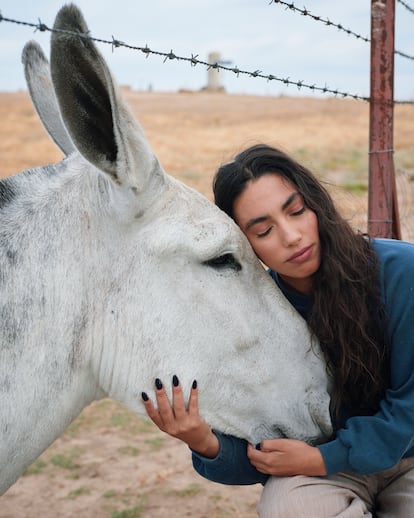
{"points": [[292, 197], [285, 205]]}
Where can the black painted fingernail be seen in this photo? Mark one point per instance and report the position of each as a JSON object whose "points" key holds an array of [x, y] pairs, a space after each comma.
{"points": [[144, 396], [175, 381], [158, 384], [194, 384], [258, 446]]}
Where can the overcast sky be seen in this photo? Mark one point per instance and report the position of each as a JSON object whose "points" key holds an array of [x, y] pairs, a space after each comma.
{"points": [[251, 34]]}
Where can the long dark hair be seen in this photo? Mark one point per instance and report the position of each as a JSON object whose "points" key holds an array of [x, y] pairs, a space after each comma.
{"points": [[347, 315]]}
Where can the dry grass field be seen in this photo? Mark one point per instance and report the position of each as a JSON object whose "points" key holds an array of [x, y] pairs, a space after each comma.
{"points": [[110, 463]]}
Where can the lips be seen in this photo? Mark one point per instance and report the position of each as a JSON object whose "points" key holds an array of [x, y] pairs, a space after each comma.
{"points": [[301, 256]]}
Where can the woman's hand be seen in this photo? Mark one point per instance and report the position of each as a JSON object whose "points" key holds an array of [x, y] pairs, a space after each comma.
{"points": [[287, 457], [181, 422]]}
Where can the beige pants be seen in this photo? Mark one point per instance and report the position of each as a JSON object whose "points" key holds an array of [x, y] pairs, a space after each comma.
{"points": [[389, 494]]}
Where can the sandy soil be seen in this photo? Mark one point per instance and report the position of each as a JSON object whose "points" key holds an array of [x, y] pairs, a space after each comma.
{"points": [[111, 463]]}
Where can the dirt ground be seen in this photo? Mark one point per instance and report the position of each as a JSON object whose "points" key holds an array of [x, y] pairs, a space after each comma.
{"points": [[110, 463]]}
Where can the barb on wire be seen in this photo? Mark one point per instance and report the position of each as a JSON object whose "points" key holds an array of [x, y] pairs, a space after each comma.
{"points": [[115, 43], [340, 27], [406, 6], [326, 21]]}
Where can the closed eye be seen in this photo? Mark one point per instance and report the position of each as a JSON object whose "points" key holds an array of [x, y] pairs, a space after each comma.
{"points": [[299, 212], [224, 261], [265, 233], [295, 213]]}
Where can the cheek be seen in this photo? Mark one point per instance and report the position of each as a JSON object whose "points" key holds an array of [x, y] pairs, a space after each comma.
{"points": [[266, 252], [316, 227], [312, 223], [257, 246]]}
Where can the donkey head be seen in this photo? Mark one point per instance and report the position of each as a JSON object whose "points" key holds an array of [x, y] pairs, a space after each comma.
{"points": [[170, 285]]}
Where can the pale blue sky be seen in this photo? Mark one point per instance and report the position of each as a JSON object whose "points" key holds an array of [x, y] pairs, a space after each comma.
{"points": [[252, 34]]}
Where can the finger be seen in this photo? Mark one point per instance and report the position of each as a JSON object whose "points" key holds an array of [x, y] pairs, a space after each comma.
{"points": [[152, 412], [164, 406], [178, 399], [253, 454], [193, 399], [264, 464], [275, 444], [255, 457], [263, 468], [251, 450]]}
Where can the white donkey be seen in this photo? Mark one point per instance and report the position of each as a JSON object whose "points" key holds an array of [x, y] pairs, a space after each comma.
{"points": [[113, 273]]}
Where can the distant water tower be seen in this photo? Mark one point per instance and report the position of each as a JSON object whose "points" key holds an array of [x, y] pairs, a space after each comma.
{"points": [[213, 77]]}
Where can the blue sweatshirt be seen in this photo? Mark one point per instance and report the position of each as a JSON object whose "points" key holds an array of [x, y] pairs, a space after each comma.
{"points": [[365, 444]]}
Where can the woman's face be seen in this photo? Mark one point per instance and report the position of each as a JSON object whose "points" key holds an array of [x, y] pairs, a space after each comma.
{"points": [[281, 229]]}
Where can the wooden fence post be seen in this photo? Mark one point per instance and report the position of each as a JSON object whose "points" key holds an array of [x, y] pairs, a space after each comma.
{"points": [[383, 218]]}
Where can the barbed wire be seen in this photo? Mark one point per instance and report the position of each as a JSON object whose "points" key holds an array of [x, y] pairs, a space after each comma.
{"points": [[193, 60], [325, 21], [406, 6], [339, 26]]}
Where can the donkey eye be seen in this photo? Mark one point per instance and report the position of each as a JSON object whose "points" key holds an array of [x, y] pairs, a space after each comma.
{"points": [[224, 261]]}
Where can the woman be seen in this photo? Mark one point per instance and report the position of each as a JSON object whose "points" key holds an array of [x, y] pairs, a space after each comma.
{"points": [[357, 296]]}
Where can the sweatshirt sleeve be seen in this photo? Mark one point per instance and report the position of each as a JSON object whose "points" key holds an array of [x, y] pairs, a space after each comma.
{"points": [[369, 444], [230, 466]]}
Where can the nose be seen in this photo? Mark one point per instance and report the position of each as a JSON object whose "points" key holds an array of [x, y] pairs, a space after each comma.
{"points": [[290, 235]]}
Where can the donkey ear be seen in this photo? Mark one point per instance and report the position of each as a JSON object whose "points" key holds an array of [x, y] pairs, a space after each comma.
{"points": [[39, 83], [100, 124]]}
